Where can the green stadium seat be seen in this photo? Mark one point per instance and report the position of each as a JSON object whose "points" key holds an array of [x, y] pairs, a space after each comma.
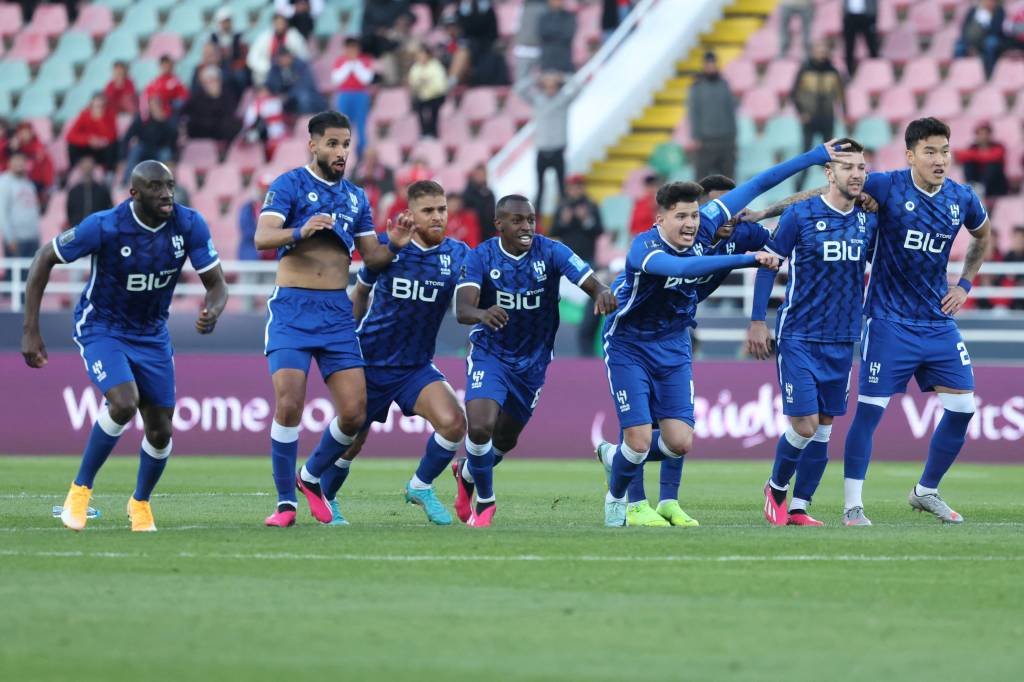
{"points": [[746, 131], [97, 73], [615, 213], [158, 5], [328, 23], [207, 6], [116, 5], [754, 159], [122, 44], [143, 71], [667, 158], [186, 21], [783, 133], [74, 101], [873, 132], [14, 75], [36, 101], [140, 21], [56, 74], [74, 46], [684, 173], [250, 5], [5, 104], [354, 25]]}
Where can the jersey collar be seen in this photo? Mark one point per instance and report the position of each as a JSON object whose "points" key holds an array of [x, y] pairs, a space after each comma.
{"points": [[520, 256], [922, 191], [843, 213], [319, 179], [144, 226], [667, 243], [425, 249]]}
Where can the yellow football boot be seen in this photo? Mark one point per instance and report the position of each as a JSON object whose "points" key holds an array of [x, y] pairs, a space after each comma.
{"points": [[141, 516], [76, 507]]}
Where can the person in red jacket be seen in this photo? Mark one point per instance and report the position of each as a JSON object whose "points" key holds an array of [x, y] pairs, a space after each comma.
{"points": [[643, 208], [462, 222], [94, 133], [169, 88], [120, 91], [40, 164], [984, 162], [352, 76]]}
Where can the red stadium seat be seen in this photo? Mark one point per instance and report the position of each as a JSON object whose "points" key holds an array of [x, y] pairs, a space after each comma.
{"points": [[873, 76], [30, 47], [920, 75], [989, 102], [10, 19], [48, 20], [943, 102], [1009, 76], [94, 19], [966, 74], [223, 181], [161, 44], [760, 104], [741, 75], [479, 104], [201, 154], [925, 17]]}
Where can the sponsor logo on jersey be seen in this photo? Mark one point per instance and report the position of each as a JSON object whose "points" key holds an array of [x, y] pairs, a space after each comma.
{"points": [[141, 281], [840, 251], [513, 300], [66, 237], [921, 241], [410, 289], [269, 199]]}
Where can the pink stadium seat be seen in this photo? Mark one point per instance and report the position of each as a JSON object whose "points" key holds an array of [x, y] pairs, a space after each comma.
{"points": [[59, 153], [224, 181], [56, 217], [920, 75], [887, 19], [897, 105], [405, 131], [201, 154], [30, 47], [760, 104], [1008, 130], [988, 101], [966, 74], [185, 175], [925, 17], [208, 206], [518, 109], [961, 130], [390, 153], [1015, 167], [479, 104], [423, 22], [1008, 213], [634, 184], [454, 130], [1009, 75], [741, 75], [497, 131], [245, 157], [681, 134], [291, 153], [858, 104], [161, 44], [451, 178], [763, 46], [390, 103], [943, 102], [828, 21], [473, 152], [890, 157], [49, 20], [943, 43], [508, 18], [431, 151], [873, 76], [94, 19], [10, 19], [43, 128], [900, 45]]}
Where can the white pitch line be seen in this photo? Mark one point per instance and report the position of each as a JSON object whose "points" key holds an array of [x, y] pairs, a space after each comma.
{"points": [[58, 497], [531, 558]]}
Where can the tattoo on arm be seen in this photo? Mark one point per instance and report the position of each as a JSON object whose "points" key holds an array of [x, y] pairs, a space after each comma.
{"points": [[975, 256], [776, 209]]}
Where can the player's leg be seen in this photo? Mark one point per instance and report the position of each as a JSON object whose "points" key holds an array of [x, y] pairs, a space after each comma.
{"points": [[156, 448], [288, 368], [335, 476], [437, 403], [630, 383], [478, 470], [671, 442], [809, 471]]}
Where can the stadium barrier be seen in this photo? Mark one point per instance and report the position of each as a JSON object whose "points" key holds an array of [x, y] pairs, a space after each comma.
{"points": [[225, 406]]}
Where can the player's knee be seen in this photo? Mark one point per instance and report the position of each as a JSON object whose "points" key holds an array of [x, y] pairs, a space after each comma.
{"points": [[352, 420], [452, 426], [806, 426], [288, 411], [506, 442], [638, 442], [159, 437], [677, 444], [122, 409], [480, 433]]}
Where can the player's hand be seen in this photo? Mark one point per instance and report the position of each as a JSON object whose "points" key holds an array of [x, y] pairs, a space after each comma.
{"points": [[206, 322], [494, 317], [953, 300], [868, 203], [321, 221], [33, 349], [759, 341], [841, 154], [767, 260], [605, 303], [749, 215], [400, 232]]}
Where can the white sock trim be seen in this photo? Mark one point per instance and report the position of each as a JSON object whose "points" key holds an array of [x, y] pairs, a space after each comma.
{"points": [[921, 490], [107, 423], [340, 436], [484, 500], [477, 449], [852, 490], [958, 402], [795, 439], [874, 400], [608, 497], [797, 503], [154, 452], [449, 445], [343, 463], [499, 453], [776, 486], [467, 476], [306, 476], [416, 484], [823, 433], [284, 434], [632, 455], [666, 450]]}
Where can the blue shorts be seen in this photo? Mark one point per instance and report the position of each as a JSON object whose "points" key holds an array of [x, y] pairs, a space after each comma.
{"points": [[517, 392], [111, 360], [892, 352], [303, 324], [402, 385], [650, 380], [814, 377]]}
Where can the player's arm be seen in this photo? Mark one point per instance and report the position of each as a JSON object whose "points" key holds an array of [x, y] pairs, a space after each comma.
{"points": [[976, 250], [663, 265], [759, 341], [776, 209], [271, 232], [32, 347], [467, 310], [378, 256], [361, 295], [216, 298], [604, 300]]}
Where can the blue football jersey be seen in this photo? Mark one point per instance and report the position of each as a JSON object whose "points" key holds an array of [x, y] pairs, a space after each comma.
{"points": [[134, 267], [827, 252], [409, 300], [745, 237], [298, 195], [915, 234], [526, 286]]}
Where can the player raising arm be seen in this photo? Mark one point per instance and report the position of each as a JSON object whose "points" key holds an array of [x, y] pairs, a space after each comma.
{"points": [[138, 249]]}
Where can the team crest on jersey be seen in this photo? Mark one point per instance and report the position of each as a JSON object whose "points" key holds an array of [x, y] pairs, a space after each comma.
{"points": [[97, 369], [495, 273], [909, 205], [954, 212], [623, 399], [874, 369], [178, 242], [312, 196], [789, 393], [126, 251], [540, 270], [478, 378], [820, 226], [354, 200], [698, 249], [862, 221], [269, 199], [730, 248], [446, 263]]}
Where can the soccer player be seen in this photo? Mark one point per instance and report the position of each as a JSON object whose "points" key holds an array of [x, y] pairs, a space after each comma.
{"points": [[827, 240], [314, 218], [138, 249], [647, 344], [509, 292], [400, 310]]}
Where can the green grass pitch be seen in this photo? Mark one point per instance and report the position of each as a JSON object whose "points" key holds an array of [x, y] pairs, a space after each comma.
{"points": [[547, 594]]}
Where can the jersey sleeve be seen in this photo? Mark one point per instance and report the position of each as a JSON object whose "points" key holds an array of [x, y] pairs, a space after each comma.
{"points": [[784, 239], [975, 215], [81, 240], [641, 251], [877, 186], [201, 251], [472, 272], [366, 276], [363, 224], [752, 236], [569, 265], [280, 199]]}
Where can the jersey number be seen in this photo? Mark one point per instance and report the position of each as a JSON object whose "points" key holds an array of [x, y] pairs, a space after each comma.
{"points": [[965, 359]]}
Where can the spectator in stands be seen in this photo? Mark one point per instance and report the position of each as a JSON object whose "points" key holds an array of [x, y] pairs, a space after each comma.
{"points": [[984, 162], [120, 91], [293, 81], [39, 163], [480, 198], [578, 225], [19, 209], [376, 179], [981, 34], [87, 196], [379, 20], [527, 46], [712, 122], [300, 13], [860, 17], [210, 113], [233, 50], [1013, 30], [787, 10], [428, 85], [454, 53], [211, 58], [94, 133], [264, 121], [478, 24], [279, 36], [352, 76], [1016, 255], [168, 88], [154, 137], [463, 223], [551, 118], [817, 89], [645, 206], [556, 31]]}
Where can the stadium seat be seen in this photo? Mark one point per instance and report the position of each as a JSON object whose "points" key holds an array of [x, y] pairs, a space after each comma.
{"points": [[74, 101], [328, 24], [1015, 165], [48, 20], [897, 105], [473, 152], [508, 18], [161, 44], [1007, 213], [292, 153], [246, 157], [187, 21], [431, 151], [5, 104], [143, 71], [479, 104], [122, 44], [925, 17], [920, 75], [746, 131], [405, 131], [755, 160], [1008, 130], [454, 130], [760, 104], [453, 179], [74, 46], [780, 76], [43, 128], [667, 158], [763, 46], [828, 21], [873, 76], [900, 45], [201, 154], [31, 48], [390, 104], [988, 101], [497, 131], [97, 73], [14, 75], [616, 211], [390, 153], [140, 20], [94, 19], [966, 74], [223, 181], [872, 132], [961, 129], [943, 43], [10, 19], [35, 100], [518, 109], [891, 156], [943, 102], [741, 75], [115, 4], [1008, 76], [56, 75]]}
